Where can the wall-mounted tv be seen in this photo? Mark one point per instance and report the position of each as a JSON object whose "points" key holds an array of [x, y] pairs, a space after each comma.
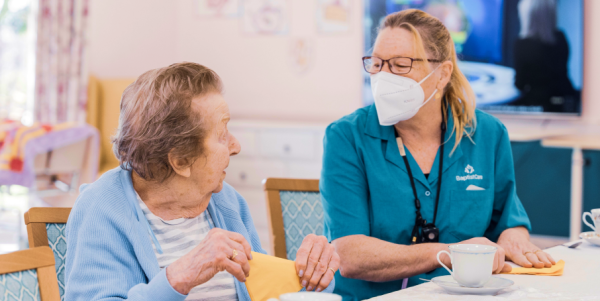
{"points": [[520, 56]]}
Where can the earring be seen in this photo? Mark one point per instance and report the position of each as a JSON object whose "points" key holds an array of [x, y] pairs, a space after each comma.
{"points": [[437, 95]]}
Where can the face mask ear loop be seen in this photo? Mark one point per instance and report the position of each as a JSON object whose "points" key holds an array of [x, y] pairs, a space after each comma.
{"points": [[435, 91], [428, 75], [430, 97]]}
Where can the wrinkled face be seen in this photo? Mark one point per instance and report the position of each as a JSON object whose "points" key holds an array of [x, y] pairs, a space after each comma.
{"points": [[208, 171], [399, 42]]}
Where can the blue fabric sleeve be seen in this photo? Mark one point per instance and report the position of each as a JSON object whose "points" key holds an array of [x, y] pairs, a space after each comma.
{"points": [[343, 186], [508, 212], [331, 286], [249, 224], [159, 288], [328, 289], [101, 262]]}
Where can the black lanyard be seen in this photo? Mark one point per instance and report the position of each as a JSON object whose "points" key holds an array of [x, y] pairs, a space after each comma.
{"points": [[420, 222]]}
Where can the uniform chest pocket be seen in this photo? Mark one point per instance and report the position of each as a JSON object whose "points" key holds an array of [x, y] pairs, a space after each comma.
{"points": [[470, 213]]}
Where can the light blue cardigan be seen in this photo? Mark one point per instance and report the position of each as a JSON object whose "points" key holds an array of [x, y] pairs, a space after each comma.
{"points": [[110, 255]]}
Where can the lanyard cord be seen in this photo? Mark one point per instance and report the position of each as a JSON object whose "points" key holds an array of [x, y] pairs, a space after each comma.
{"points": [[440, 170], [419, 219], [439, 188]]}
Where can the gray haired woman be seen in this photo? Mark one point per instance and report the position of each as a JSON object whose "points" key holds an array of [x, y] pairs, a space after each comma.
{"points": [[164, 225]]}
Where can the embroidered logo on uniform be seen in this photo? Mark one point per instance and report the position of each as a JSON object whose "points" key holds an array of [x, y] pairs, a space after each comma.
{"points": [[470, 176]]}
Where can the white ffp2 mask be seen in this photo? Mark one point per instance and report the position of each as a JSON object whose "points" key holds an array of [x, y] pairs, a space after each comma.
{"points": [[397, 98]]}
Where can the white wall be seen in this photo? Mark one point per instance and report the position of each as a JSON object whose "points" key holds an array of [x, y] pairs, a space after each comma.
{"points": [[129, 37]]}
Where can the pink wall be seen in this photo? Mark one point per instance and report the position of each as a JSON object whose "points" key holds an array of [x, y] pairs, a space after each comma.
{"points": [[591, 63], [128, 37]]}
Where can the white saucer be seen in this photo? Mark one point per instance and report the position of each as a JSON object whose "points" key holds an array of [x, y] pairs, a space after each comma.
{"points": [[494, 285], [591, 237]]}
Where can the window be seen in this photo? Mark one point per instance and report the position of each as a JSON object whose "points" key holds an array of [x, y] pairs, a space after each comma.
{"points": [[17, 59]]}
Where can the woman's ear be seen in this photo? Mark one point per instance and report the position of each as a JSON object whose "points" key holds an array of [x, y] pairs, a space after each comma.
{"points": [[445, 74], [180, 166]]}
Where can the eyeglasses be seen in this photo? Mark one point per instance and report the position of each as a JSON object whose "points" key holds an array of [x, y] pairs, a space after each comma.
{"points": [[398, 65]]}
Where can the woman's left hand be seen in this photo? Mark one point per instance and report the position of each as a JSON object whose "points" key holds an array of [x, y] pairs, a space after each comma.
{"points": [[521, 251], [316, 262]]}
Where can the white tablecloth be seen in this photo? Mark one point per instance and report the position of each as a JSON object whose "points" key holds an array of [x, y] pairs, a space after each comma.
{"points": [[580, 281]]}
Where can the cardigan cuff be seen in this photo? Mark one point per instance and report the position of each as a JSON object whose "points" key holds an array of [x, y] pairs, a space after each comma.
{"points": [[159, 288]]}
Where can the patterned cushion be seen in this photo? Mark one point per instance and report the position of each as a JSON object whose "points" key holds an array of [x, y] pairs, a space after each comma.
{"points": [[20, 286], [302, 215], [58, 244]]}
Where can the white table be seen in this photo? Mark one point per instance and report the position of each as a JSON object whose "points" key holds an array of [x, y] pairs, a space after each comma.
{"points": [[580, 281], [578, 143]]}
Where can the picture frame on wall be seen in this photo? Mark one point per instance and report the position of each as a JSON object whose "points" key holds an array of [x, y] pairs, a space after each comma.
{"points": [[334, 16], [266, 17], [217, 8]]}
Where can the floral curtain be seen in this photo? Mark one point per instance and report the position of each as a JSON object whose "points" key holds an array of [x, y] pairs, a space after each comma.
{"points": [[61, 73]]}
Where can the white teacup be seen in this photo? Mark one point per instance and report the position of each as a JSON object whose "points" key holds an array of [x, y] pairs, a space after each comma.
{"points": [[471, 264], [595, 215], [304, 296]]}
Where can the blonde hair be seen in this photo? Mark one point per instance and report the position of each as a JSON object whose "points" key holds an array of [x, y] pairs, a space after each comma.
{"points": [[157, 119], [432, 37]]}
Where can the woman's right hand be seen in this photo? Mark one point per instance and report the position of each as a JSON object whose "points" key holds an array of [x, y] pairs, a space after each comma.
{"points": [[212, 255], [500, 266]]}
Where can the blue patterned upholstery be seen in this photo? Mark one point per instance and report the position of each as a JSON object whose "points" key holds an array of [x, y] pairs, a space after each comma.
{"points": [[20, 286], [302, 215], [58, 244]]}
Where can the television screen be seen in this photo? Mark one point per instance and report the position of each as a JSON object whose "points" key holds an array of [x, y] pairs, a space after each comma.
{"points": [[520, 56]]}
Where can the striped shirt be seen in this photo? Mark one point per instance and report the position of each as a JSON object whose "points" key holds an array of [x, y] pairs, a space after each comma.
{"points": [[178, 237]]}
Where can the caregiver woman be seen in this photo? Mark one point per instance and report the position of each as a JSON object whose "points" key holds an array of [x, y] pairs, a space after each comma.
{"points": [[164, 226], [418, 170]]}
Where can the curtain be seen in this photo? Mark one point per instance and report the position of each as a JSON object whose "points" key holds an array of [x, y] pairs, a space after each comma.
{"points": [[61, 73]]}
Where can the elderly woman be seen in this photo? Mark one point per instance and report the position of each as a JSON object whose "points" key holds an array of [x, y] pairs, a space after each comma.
{"points": [[164, 225]]}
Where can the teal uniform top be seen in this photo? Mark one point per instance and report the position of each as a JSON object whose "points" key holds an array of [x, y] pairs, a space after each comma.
{"points": [[366, 190]]}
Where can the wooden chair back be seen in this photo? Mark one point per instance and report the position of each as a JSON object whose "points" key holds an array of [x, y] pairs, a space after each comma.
{"points": [[37, 219], [273, 188], [19, 281], [45, 228]]}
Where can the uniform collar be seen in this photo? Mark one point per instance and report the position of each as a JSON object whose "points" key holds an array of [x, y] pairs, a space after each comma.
{"points": [[375, 130]]}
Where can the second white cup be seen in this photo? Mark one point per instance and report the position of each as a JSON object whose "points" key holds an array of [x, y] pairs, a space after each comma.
{"points": [[471, 264], [595, 215]]}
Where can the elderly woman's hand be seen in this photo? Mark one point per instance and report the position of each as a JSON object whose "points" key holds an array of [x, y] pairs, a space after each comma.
{"points": [[316, 262], [214, 254], [521, 251]]}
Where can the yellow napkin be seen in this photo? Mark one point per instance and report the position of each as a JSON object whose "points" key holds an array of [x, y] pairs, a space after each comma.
{"points": [[270, 277], [555, 270]]}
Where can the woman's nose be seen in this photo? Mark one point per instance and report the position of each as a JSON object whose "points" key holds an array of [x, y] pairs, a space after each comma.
{"points": [[234, 146], [386, 67]]}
